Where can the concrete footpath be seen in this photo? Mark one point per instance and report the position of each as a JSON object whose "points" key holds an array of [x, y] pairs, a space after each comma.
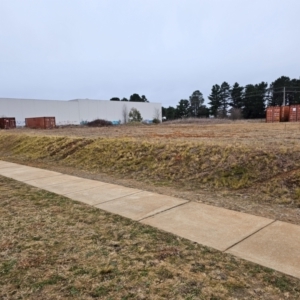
{"points": [[264, 241]]}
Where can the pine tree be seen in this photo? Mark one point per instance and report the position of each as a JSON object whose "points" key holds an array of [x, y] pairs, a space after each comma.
{"points": [[215, 101], [224, 98], [236, 96], [183, 109], [292, 94], [196, 100], [254, 100]]}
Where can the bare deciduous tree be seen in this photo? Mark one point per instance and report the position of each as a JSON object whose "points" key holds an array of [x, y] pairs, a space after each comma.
{"points": [[236, 114], [156, 114], [125, 114]]}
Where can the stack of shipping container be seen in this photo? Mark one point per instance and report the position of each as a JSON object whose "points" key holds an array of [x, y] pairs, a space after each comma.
{"points": [[283, 114]]}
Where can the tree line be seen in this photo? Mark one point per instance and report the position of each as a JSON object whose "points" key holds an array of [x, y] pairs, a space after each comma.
{"points": [[247, 102], [132, 98]]}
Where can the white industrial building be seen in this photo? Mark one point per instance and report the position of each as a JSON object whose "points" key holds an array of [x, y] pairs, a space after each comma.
{"points": [[75, 111]]}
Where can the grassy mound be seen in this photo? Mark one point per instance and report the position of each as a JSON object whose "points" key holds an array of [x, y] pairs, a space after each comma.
{"points": [[181, 164]]}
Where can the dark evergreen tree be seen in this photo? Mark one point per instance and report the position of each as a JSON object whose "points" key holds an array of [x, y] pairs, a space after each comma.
{"points": [[196, 100], [292, 91], [115, 99], [224, 98], [236, 96], [183, 109], [171, 113], [215, 101], [144, 98], [276, 90], [137, 98], [124, 99], [203, 112], [254, 100]]}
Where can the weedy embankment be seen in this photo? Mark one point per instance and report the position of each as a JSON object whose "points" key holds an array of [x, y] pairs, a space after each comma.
{"points": [[188, 165]]}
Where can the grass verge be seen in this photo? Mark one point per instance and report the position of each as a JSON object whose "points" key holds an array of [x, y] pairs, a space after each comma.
{"points": [[55, 248]]}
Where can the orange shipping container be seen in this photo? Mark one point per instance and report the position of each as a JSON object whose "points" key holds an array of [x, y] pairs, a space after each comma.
{"points": [[294, 113], [284, 113], [7, 123], [269, 114], [273, 114], [41, 122]]}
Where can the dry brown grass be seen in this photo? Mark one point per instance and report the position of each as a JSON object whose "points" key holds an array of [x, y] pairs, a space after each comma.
{"points": [[209, 121], [248, 167], [242, 132], [259, 160], [55, 248]]}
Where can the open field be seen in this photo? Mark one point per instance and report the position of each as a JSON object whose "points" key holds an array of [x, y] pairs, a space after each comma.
{"points": [[246, 166], [242, 132], [70, 250]]}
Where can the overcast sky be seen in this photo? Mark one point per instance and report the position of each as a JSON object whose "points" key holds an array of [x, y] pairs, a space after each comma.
{"points": [[164, 49]]}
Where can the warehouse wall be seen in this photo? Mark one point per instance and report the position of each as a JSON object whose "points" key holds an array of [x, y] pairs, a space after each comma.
{"points": [[73, 111]]}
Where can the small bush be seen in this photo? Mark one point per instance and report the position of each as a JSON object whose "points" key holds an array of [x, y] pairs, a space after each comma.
{"points": [[99, 123], [156, 121]]}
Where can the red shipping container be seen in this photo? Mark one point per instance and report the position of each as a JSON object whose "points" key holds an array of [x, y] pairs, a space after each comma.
{"points": [[284, 113], [273, 114], [40, 122], [269, 114], [7, 123], [294, 113]]}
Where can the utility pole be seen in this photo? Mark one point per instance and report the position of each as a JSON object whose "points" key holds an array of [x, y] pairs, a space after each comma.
{"points": [[283, 104]]}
